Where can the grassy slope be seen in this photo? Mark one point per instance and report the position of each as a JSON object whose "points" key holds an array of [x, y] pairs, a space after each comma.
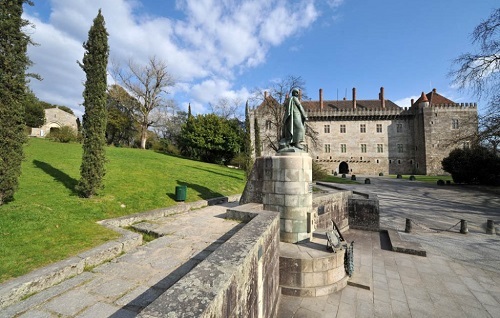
{"points": [[48, 222]]}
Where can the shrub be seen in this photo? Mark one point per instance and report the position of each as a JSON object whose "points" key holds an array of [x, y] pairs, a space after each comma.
{"points": [[335, 173], [475, 165], [65, 134], [367, 181], [412, 178], [343, 175], [399, 176], [440, 182], [318, 173], [353, 177]]}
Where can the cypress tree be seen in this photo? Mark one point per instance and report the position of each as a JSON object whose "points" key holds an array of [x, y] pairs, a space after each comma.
{"points": [[258, 144], [248, 143], [95, 61], [14, 62]]}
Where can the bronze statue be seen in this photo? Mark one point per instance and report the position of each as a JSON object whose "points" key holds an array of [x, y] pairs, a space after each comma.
{"points": [[293, 130]]}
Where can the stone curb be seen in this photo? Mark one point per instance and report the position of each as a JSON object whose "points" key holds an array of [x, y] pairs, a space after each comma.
{"points": [[15, 290], [400, 246]]}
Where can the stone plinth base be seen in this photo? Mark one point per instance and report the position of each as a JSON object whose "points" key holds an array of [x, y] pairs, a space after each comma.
{"points": [[309, 270], [287, 189]]}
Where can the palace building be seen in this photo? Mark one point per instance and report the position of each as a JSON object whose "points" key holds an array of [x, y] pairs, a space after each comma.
{"points": [[377, 136]]}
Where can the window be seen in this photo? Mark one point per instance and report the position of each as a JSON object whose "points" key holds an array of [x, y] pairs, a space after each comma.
{"points": [[399, 161], [269, 125], [379, 128], [327, 148], [342, 129], [327, 129], [399, 128], [362, 128], [400, 148], [363, 148], [380, 148], [343, 148], [454, 124]]}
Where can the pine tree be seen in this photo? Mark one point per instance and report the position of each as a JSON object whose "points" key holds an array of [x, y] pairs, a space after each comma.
{"points": [[95, 61], [13, 65]]}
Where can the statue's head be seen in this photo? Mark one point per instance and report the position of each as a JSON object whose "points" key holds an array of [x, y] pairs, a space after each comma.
{"points": [[295, 92]]}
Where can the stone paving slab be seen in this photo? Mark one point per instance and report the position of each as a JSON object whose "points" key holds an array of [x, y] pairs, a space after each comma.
{"points": [[460, 277], [125, 285]]}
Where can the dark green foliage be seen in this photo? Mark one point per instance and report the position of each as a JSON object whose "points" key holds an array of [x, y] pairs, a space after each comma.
{"points": [[475, 165], [34, 115], [258, 143], [13, 65], [318, 173], [95, 61], [121, 125], [65, 134], [247, 147], [353, 177], [211, 138], [440, 182], [412, 178]]}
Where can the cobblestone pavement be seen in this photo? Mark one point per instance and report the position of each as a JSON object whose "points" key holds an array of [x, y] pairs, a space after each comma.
{"points": [[460, 277]]}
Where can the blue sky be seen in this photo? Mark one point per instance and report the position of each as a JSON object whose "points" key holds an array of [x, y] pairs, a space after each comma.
{"points": [[226, 48]]}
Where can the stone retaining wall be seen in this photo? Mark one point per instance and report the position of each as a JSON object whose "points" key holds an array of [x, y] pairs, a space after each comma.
{"points": [[331, 206], [239, 279], [362, 208]]}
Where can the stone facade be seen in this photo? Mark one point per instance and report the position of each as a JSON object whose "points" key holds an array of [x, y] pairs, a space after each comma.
{"points": [[377, 136], [55, 118]]}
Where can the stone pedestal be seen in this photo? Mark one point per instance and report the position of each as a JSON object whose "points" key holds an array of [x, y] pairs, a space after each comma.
{"points": [[287, 189]]}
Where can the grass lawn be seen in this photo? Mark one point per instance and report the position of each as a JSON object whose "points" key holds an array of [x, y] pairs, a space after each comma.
{"points": [[47, 221], [335, 179], [428, 179]]}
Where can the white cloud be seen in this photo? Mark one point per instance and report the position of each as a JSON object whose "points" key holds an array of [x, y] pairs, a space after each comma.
{"points": [[213, 43], [406, 102]]}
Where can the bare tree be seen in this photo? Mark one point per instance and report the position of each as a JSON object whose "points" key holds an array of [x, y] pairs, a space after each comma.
{"points": [[271, 109], [480, 71], [148, 84], [227, 107]]}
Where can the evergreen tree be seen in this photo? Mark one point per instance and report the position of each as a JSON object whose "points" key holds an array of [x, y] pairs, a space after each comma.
{"points": [[13, 65], [95, 61], [258, 143], [248, 149]]}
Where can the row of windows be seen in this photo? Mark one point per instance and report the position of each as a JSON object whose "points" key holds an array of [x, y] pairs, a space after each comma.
{"points": [[380, 148], [362, 128]]}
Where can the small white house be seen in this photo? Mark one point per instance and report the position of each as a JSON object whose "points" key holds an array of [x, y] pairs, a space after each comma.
{"points": [[55, 118]]}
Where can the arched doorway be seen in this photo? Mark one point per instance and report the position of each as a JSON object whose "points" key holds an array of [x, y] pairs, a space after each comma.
{"points": [[343, 167]]}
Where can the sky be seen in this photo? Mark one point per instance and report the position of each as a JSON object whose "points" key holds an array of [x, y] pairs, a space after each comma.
{"points": [[228, 48]]}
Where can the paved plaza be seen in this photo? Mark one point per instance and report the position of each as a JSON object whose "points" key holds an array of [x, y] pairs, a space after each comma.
{"points": [[460, 277]]}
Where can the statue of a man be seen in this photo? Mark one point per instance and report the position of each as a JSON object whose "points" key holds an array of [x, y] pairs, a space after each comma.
{"points": [[293, 130]]}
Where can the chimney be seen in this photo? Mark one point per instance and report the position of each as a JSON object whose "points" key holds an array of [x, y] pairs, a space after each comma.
{"points": [[434, 90], [354, 97], [265, 95], [412, 102], [300, 94], [382, 98], [321, 99]]}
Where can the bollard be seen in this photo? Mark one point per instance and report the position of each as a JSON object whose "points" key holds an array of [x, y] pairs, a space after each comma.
{"points": [[490, 227], [463, 227], [408, 226]]}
